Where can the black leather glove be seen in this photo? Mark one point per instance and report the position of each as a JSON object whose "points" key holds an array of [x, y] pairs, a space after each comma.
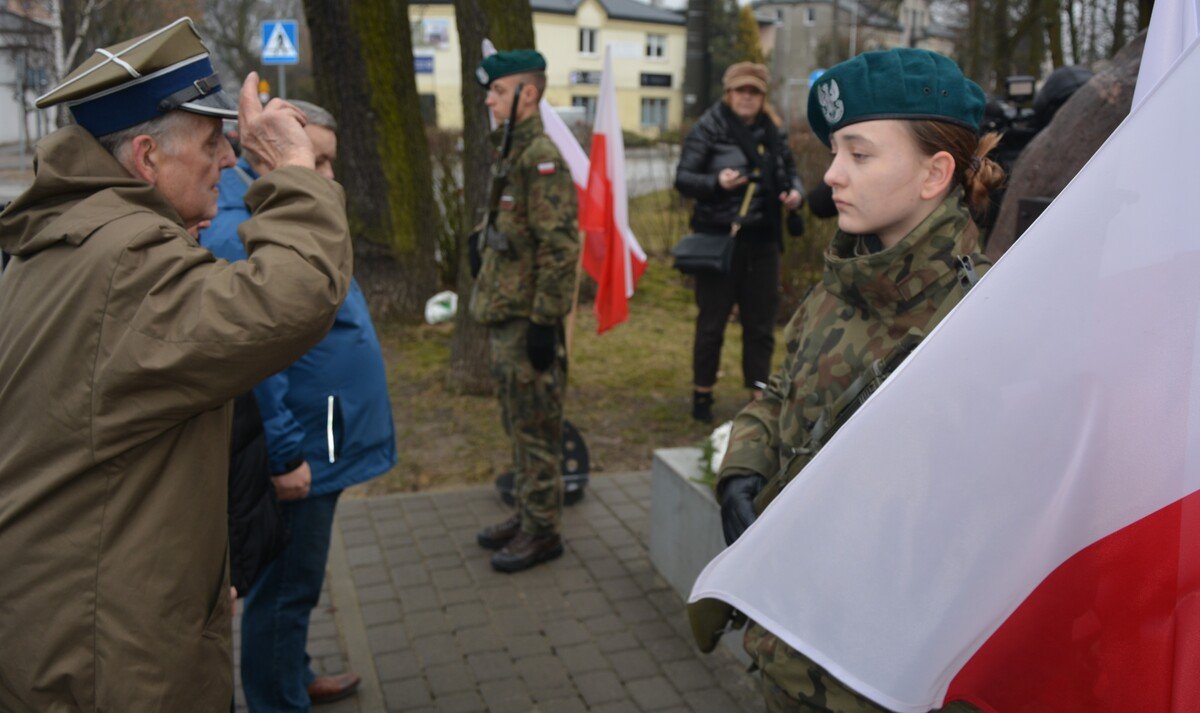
{"points": [[474, 254], [736, 495], [541, 343]]}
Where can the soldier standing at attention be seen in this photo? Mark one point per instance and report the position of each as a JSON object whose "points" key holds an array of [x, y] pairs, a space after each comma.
{"points": [[526, 257], [908, 169]]}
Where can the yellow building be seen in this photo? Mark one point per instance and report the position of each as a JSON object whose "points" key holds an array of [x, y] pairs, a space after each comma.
{"points": [[648, 46]]}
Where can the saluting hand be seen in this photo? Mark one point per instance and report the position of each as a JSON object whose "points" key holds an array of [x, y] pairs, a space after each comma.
{"points": [[274, 133]]}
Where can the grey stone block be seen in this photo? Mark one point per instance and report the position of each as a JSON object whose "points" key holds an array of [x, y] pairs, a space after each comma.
{"points": [[449, 678], [633, 664], [582, 658], [406, 695], [654, 693], [397, 666], [543, 673], [492, 666]]}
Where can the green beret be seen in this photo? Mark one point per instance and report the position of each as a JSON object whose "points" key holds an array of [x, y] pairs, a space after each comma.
{"points": [[900, 83], [503, 64]]}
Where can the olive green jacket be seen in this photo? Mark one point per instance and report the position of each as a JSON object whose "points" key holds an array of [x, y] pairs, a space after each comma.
{"points": [[535, 277], [121, 343], [862, 309]]}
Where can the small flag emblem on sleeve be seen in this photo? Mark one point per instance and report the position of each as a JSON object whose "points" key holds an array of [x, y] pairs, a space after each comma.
{"points": [[546, 168]]}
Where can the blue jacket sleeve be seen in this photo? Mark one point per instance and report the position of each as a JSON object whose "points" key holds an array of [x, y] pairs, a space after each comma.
{"points": [[285, 435]]}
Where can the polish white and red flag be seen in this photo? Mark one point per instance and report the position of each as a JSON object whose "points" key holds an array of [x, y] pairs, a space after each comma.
{"points": [[611, 253], [1013, 519]]}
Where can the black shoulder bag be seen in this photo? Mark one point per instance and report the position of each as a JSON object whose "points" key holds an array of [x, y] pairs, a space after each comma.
{"points": [[711, 252]]}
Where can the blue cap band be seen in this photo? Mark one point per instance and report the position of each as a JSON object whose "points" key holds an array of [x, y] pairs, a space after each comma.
{"points": [[138, 101]]}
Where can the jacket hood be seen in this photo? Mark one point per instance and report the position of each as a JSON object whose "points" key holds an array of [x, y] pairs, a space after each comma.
{"points": [[78, 187]]}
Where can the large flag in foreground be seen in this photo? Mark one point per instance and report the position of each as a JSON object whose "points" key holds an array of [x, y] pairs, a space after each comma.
{"points": [[1013, 519], [611, 253], [1174, 25]]}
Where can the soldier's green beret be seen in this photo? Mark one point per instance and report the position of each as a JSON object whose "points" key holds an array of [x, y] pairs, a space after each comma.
{"points": [[141, 79], [901, 83], [503, 64]]}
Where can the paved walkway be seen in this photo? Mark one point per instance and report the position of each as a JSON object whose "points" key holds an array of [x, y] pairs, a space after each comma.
{"points": [[413, 605]]}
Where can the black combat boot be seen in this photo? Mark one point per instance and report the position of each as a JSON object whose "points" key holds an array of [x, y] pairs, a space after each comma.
{"points": [[493, 537], [526, 550], [702, 402]]}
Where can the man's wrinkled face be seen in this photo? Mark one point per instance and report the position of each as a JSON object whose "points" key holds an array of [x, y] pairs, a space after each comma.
{"points": [[188, 166], [325, 147]]}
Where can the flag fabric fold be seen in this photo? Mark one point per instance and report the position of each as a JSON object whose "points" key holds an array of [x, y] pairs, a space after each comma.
{"points": [[1013, 519], [1174, 25], [611, 253]]}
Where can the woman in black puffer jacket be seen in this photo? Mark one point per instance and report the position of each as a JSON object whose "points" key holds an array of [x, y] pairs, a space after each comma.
{"points": [[738, 143]]}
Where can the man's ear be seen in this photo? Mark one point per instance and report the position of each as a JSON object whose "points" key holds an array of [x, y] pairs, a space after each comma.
{"points": [[530, 93], [143, 158], [940, 169]]}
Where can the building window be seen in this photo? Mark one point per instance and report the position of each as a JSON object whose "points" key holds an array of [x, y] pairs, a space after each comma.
{"points": [[656, 46], [587, 41], [589, 108], [654, 113], [810, 16]]}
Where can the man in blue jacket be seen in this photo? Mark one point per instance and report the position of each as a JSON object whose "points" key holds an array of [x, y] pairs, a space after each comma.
{"points": [[328, 422]]}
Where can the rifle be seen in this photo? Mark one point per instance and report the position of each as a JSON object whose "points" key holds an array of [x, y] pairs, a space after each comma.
{"points": [[491, 237]]}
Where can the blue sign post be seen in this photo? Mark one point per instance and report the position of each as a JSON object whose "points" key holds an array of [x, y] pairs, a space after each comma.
{"points": [[281, 46]]}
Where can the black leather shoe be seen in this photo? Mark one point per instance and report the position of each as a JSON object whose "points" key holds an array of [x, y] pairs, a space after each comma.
{"points": [[526, 550], [493, 537]]}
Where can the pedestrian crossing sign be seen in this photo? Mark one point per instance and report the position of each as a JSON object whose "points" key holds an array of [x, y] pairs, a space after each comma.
{"points": [[280, 43]]}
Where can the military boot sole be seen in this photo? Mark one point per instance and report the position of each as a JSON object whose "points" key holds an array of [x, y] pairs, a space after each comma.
{"points": [[511, 566]]}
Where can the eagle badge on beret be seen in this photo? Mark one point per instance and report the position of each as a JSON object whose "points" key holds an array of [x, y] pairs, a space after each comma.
{"points": [[831, 103], [829, 95]]}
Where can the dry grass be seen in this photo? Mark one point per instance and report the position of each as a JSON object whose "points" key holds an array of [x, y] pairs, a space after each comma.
{"points": [[629, 389]]}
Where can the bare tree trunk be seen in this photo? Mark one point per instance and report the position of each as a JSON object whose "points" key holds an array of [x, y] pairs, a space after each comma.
{"points": [[1118, 33], [509, 24], [362, 59], [1053, 13], [1144, 9], [1002, 46], [1072, 31], [1036, 35]]}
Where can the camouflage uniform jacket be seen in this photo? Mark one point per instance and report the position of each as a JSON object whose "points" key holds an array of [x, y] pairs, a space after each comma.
{"points": [[865, 305], [535, 277]]}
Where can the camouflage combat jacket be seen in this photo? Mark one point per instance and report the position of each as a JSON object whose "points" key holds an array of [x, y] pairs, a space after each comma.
{"points": [[534, 277], [865, 306]]}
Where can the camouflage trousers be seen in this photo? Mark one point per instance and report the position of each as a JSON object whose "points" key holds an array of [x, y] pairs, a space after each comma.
{"points": [[531, 410], [794, 683]]}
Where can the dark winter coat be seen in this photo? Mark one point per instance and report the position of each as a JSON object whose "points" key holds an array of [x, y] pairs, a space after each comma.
{"points": [[256, 529], [710, 147]]}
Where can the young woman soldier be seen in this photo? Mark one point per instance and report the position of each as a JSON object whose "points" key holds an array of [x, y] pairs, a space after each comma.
{"points": [[908, 169]]}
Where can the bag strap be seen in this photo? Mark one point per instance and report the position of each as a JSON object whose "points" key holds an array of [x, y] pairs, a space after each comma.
{"points": [[736, 225]]}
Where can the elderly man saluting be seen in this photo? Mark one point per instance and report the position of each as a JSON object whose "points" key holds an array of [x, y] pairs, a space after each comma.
{"points": [[121, 343]]}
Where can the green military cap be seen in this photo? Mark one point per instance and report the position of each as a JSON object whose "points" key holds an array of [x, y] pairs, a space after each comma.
{"points": [[141, 79], [503, 64], [901, 83]]}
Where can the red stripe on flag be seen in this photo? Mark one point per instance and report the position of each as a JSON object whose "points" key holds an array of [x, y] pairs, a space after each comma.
{"points": [[1114, 628], [604, 248]]}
